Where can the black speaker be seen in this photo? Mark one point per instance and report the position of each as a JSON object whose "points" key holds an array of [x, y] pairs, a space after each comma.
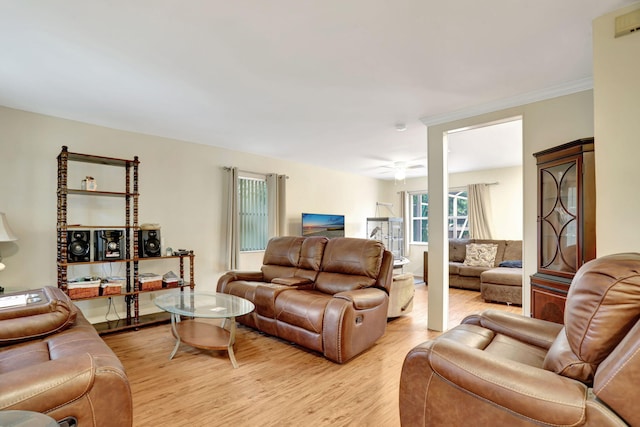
{"points": [[149, 243], [108, 245], [78, 246]]}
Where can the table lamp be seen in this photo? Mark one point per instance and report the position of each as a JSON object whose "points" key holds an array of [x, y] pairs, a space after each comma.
{"points": [[6, 235]]}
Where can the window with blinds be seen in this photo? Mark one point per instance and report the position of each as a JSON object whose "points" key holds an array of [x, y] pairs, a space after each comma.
{"points": [[253, 213]]}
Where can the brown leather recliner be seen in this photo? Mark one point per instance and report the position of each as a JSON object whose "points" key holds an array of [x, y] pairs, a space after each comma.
{"points": [[53, 361], [328, 295], [499, 369]]}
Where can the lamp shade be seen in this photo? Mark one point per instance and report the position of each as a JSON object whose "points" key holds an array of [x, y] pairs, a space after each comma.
{"points": [[6, 235]]}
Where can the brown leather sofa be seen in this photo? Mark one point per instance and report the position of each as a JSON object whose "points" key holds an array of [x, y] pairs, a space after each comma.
{"points": [[330, 296], [52, 361], [504, 369]]}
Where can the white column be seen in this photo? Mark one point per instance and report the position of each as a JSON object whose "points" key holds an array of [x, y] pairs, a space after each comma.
{"points": [[438, 188]]}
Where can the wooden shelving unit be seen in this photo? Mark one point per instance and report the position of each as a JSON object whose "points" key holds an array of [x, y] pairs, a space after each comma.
{"points": [[131, 293]]}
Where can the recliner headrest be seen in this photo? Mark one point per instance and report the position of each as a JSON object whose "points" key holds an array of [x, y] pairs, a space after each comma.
{"points": [[283, 251], [603, 304]]}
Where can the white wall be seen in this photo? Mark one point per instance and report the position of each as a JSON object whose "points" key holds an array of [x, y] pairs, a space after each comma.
{"points": [[181, 187], [617, 135], [506, 200]]}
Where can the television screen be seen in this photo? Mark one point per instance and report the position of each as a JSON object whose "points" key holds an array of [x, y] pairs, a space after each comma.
{"points": [[322, 225]]}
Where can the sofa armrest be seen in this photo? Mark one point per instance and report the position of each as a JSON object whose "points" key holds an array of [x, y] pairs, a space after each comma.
{"points": [[540, 333], [47, 385], [48, 311], [232, 276], [526, 391], [363, 299]]}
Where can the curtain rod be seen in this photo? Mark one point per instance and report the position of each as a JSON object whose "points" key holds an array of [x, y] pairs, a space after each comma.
{"points": [[451, 188], [228, 168]]}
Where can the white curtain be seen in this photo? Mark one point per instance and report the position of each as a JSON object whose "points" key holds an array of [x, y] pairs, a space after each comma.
{"points": [[479, 211], [405, 211], [233, 234], [277, 191]]}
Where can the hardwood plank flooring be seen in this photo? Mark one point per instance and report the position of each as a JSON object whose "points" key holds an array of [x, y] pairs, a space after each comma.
{"points": [[277, 383]]}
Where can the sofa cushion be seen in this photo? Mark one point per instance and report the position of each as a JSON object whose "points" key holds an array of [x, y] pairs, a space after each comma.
{"points": [[457, 249], [311, 252], [502, 276], [353, 256], [454, 267], [349, 264], [25, 355], [281, 257], [283, 251], [271, 272], [332, 283], [471, 271], [512, 250], [304, 309], [480, 255]]}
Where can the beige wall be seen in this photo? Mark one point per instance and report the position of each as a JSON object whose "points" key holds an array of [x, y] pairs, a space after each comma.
{"points": [[617, 135], [181, 186], [506, 201]]}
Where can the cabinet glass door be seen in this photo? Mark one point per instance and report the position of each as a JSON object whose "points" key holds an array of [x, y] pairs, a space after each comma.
{"points": [[558, 220]]}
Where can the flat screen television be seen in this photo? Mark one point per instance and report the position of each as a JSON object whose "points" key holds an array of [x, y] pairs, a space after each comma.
{"points": [[322, 225]]}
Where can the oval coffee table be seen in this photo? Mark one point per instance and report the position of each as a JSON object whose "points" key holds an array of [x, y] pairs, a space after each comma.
{"points": [[194, 305]]}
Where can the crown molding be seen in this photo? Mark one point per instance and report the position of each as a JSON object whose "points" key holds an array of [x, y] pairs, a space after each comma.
{"points": [[514, 101]]}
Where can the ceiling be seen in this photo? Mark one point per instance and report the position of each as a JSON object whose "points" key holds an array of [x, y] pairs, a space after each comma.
{"points": [[319, 82]]}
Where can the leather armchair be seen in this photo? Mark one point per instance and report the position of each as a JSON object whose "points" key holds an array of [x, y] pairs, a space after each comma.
{"points": [[497, 368], [53, 361]]}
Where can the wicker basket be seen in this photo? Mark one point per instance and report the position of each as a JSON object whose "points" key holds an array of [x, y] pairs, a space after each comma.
{"points": [[151, 286], [110, 289], [79, 290]]}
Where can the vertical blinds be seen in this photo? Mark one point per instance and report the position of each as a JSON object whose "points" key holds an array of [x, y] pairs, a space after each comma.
{"points": [[253, 213]]}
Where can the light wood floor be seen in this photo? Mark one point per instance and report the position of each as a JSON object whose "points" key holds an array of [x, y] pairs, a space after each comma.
{"points": [[276, 384]]}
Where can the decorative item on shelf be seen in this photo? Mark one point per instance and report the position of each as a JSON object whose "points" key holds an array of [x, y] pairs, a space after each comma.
{"points": [[89, 184], [182, 252], [150, 281], [169, 251], [150, 226], [171, 280]]}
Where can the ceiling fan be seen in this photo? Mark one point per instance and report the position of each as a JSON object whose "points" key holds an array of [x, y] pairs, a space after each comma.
{"points": [[400, 169]]}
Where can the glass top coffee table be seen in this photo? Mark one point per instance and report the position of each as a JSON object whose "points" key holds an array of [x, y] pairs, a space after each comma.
{"points": [[194, 305]]}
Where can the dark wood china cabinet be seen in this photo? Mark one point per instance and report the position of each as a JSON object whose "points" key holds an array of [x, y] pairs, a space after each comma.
{"points": [[566, 224]]}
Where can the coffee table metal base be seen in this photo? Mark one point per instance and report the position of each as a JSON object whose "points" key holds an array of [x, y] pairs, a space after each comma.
{"points": [[204, 335]]}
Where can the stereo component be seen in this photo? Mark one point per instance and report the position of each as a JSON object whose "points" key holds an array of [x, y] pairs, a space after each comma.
{"points": [[78, 246], [149, 243], [108, 245]]}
